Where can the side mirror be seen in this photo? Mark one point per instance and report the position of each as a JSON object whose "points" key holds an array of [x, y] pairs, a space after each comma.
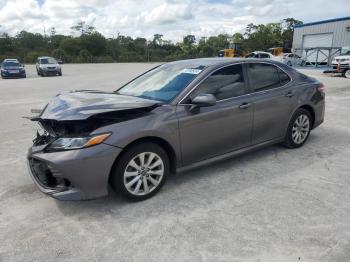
{"points": [[204, 100]]}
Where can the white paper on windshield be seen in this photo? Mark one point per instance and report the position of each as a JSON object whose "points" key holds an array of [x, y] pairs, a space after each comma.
{"points": [[191, 71]]}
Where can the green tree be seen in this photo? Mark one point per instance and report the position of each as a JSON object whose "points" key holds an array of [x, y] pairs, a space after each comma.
{"points": [[59, 53], [71, 45], [288, 25], [85, 56], [6, 44], [95, 43]]}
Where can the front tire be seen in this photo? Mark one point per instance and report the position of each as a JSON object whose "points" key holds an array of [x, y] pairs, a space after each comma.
{"points": [[298, 129], [141, 171], [347, 73]]}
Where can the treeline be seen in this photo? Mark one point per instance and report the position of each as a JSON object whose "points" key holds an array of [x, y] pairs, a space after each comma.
{"points": [[91, 46]]}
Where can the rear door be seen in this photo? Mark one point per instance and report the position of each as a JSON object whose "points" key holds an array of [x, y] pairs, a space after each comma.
{"points": [[215, 130], [273, 98]]}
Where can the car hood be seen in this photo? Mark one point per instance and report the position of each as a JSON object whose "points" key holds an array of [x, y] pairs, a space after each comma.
{"points": [[80, 105], [12, 67], [49, 65], [342, 57]]}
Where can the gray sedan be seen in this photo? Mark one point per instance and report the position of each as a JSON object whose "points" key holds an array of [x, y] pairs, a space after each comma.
{"points": [[175, 117]]}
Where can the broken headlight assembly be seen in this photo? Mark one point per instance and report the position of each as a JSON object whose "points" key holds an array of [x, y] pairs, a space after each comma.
{"points": [[69, 143]]}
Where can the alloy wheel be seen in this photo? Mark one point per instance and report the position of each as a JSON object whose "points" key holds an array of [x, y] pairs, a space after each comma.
{"points": [[301, 129], [143, 173], [347, 74]]}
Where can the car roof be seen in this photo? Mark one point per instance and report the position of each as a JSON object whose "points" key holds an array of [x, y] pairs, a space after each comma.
{"points": [[219, 61], [261, 52], [10, 59], [43, 57]]}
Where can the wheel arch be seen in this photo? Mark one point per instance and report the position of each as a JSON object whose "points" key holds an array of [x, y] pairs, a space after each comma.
{"points": [[311, 111], [151, 139]]}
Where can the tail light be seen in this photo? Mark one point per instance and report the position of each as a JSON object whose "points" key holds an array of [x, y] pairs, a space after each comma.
{"points": [[320, 88]]}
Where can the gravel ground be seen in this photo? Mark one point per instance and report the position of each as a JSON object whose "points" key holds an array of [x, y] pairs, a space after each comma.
{"points": [[274, 204]]}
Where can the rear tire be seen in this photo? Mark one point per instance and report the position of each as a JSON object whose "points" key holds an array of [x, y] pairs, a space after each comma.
{"points": [[141, 171], [298, 129]]}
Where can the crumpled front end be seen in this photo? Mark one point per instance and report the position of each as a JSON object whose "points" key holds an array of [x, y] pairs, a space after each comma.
{"points": [[67, 161], [73, 174]]}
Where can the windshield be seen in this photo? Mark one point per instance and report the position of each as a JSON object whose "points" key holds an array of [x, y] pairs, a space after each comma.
{"points": [[48, 61], [163, 83], [11, 64]]}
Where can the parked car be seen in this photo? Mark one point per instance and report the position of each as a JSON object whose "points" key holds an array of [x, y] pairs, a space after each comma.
{"points": [[12, 68], [175, 117], [342, 64], [48, 66], [292, 59], [60, 61], [261, 54]]}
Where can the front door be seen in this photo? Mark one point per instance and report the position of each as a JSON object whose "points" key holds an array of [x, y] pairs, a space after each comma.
{"points": [[206, 132]]}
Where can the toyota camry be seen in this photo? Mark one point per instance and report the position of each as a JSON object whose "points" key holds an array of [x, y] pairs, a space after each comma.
{"points": [[175, 117]]}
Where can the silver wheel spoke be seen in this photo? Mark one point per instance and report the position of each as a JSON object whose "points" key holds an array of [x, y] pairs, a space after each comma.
{"points": [[133, 181], [150, 159], [152, 180], [130, 173], [142, 159], [155, 164], [137, 188], [156, 172], [145, 185], [134, 165]]}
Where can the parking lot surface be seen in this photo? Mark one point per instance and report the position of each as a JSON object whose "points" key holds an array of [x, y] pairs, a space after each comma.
{"points": [[274, 204]]}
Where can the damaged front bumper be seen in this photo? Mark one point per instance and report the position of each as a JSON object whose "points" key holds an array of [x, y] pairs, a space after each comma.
{"points": [[74, 174]]}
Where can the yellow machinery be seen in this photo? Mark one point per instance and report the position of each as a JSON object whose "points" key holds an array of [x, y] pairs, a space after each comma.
{"points": [[233, 50], [276, 51]]}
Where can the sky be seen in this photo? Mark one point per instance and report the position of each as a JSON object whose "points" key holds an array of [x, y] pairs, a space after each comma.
{"points": [[172, 18]]}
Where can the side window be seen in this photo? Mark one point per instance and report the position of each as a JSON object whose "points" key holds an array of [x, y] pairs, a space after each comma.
{"points": [[225, 83], [263, 76], [284, 78]]}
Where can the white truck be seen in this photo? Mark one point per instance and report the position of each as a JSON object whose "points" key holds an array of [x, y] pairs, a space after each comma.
{"points": [[341, 64]]}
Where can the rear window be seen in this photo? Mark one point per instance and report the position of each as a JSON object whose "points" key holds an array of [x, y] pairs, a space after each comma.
{"points": [[263, 76], [284, 77], [264, 56]]}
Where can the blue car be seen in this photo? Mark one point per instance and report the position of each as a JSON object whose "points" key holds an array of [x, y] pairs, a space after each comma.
{"points": [[12, 68]]}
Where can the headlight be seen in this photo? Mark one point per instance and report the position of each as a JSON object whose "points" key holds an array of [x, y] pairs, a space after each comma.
{"points": [[67, 143]]}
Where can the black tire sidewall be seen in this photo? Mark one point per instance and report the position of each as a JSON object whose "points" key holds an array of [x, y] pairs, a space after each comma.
{"points": [[117, 175], [288, 139]]}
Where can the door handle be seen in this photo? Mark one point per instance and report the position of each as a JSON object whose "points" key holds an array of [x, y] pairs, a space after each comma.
{"points": [[245, 105], [290, 94]]}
